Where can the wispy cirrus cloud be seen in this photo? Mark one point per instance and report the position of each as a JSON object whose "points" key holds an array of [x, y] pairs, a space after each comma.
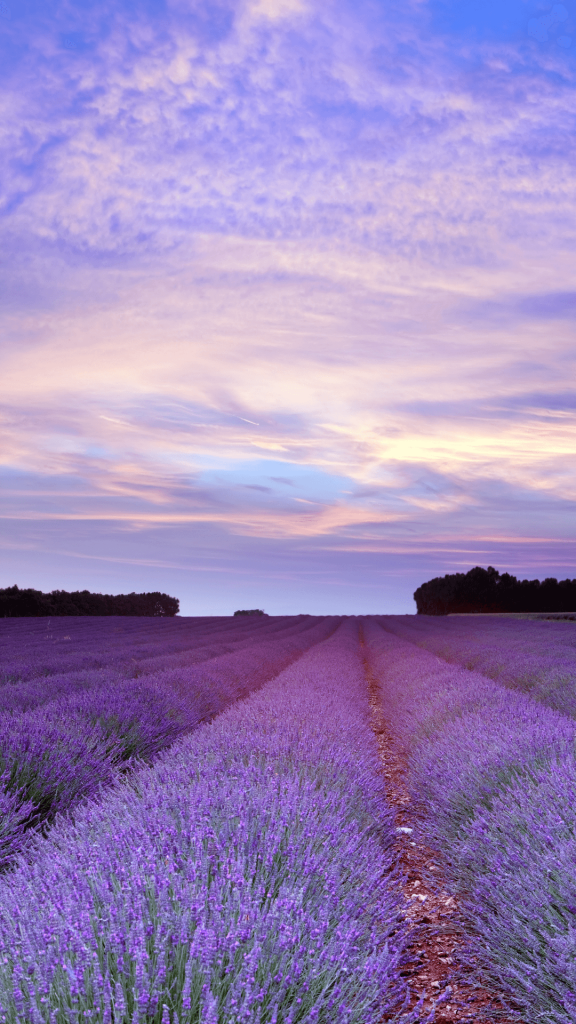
{"points": [[129, 132]]}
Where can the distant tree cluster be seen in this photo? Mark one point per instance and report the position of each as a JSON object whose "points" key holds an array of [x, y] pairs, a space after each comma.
{"points": [[17, 603], [251, 611], [486, 590]]}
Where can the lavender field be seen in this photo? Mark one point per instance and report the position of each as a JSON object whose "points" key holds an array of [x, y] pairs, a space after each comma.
{"points": [[195, 825]]}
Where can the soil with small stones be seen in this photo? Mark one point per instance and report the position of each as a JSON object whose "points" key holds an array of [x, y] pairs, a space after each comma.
{"points": [[435, 967]]}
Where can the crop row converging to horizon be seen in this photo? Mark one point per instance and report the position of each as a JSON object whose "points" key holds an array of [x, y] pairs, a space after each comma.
{"points": [[194, 821]]}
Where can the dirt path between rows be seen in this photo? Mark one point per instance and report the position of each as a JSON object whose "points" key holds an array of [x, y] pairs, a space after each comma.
{"points": [[436, 969]]}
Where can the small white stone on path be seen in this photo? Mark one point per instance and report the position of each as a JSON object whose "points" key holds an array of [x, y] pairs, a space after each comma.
{"points": [[407, 831]]}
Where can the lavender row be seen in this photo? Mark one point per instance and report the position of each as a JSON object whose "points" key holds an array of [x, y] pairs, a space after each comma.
{"points": [[90, 643], [56, 755], [493, 780], [27, 638], [33, 692], [535, 657], [246, 877], [235, 641], [221, 681]]}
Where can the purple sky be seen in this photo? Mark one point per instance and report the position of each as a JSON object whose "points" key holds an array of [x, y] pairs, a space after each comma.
{"points": [[288, 297]]}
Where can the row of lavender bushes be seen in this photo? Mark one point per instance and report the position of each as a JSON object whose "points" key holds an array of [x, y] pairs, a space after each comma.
{"points": [[57, 679], [63, 751], [493, 778], [85, 644], [245, 878], [535, 657], [30, 647]]}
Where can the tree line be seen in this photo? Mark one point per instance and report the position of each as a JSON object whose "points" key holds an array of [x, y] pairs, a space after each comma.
{"points": [[486, 590], [18, 603]]}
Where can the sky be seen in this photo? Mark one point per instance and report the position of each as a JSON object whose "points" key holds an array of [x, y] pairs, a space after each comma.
{"points": [[287, 297]]}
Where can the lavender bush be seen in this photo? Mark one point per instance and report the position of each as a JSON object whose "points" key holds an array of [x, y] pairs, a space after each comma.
{"points": [[517, 863], [15, 814], [245, 877]]}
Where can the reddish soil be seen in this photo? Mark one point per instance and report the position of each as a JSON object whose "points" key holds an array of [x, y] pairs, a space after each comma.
{"points": [[437, 969]]}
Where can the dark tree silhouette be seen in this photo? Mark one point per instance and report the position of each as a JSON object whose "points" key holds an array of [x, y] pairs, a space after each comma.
{"points": [[17, 603], [486, 590]]}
